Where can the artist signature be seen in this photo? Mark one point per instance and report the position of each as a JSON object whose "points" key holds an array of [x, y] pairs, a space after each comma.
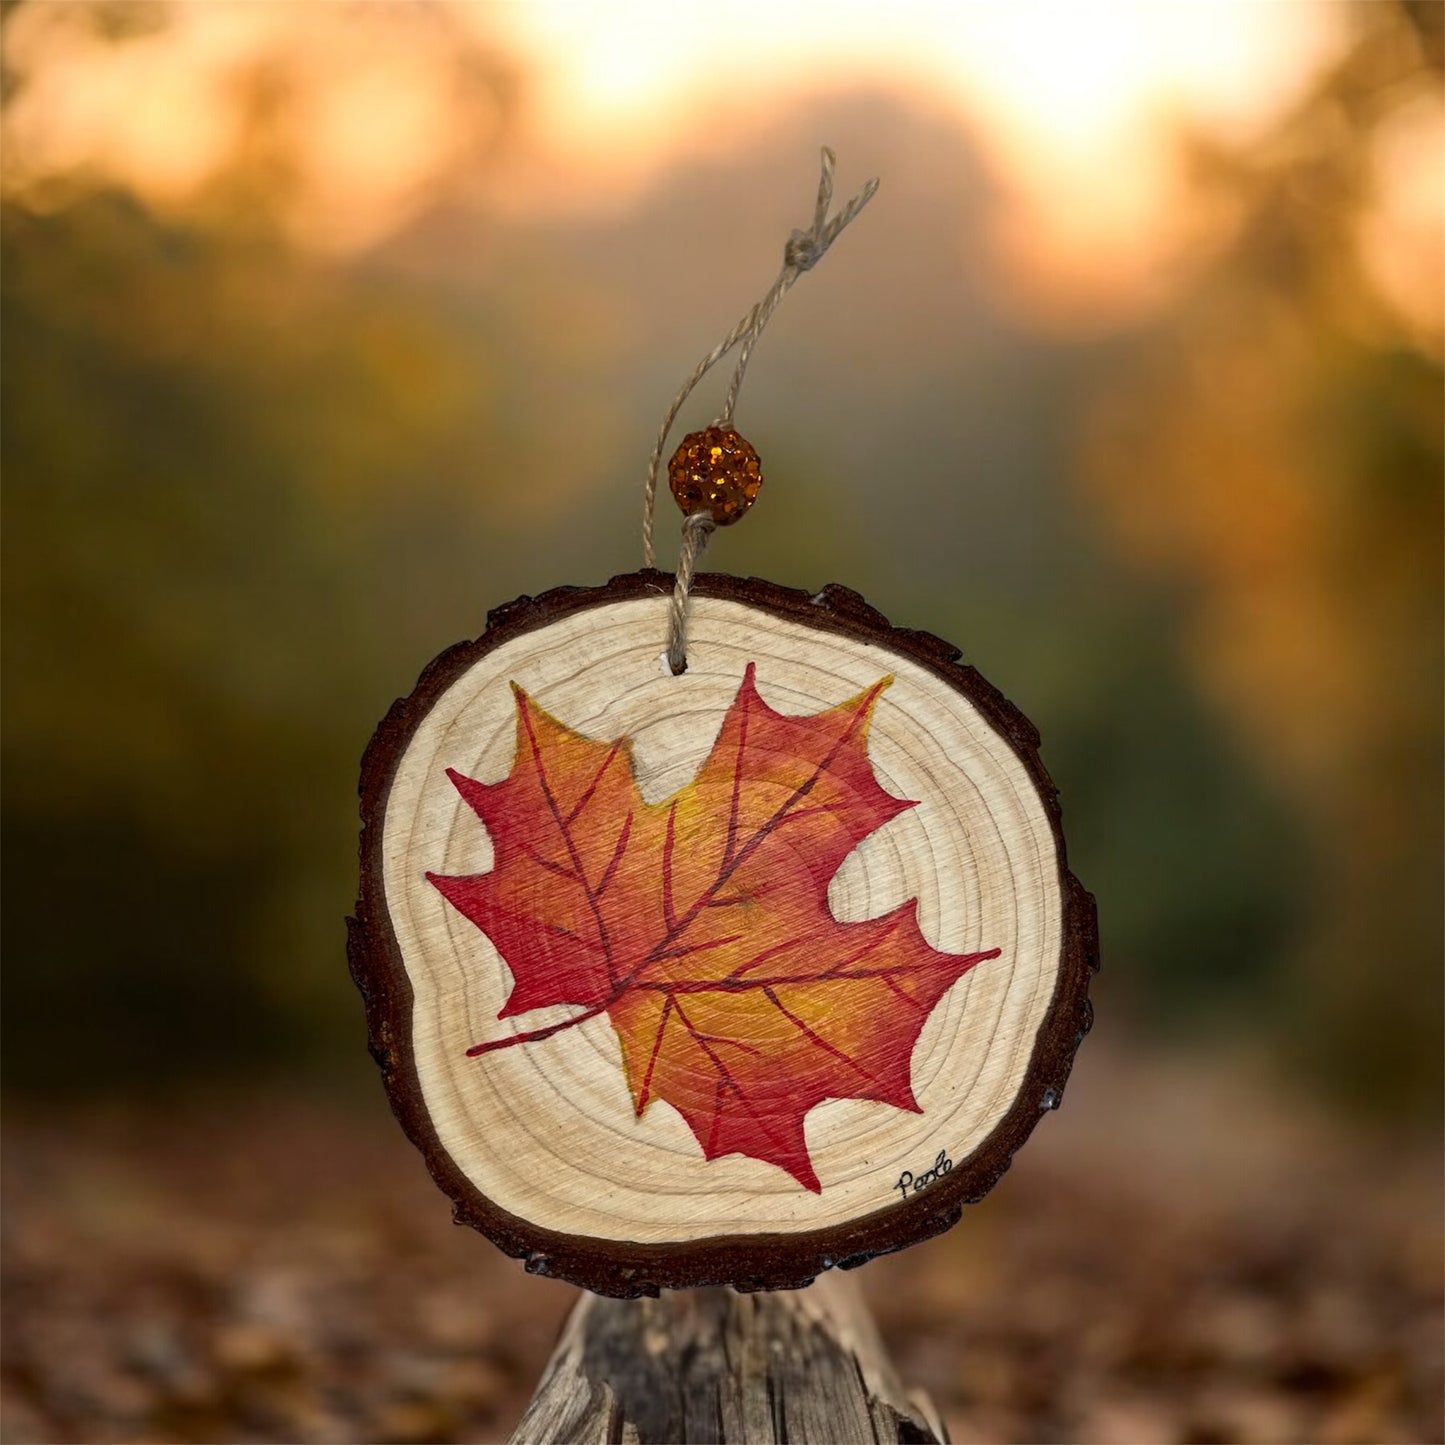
{"points": [[907, 1184]]}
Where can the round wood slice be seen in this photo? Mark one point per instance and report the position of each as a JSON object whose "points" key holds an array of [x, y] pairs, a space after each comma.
{"points": [[723, 978]]}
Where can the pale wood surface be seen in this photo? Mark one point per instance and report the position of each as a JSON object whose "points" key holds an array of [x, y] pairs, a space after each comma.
{"points": [[547, 1131], [802, 1366]]}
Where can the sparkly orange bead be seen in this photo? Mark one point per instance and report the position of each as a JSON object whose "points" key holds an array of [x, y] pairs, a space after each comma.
{"points": [[715, 471]]}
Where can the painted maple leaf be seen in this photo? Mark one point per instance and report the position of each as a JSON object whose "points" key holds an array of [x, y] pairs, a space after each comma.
{"points": [[700, 925]]}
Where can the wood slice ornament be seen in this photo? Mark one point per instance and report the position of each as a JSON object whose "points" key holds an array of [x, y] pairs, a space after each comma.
{"points": [[724, 963]]}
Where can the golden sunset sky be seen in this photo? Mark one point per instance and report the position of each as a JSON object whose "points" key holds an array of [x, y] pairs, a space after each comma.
{"points": [[1077, 108]]}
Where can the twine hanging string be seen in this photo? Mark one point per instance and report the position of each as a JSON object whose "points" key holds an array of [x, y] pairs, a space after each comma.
{"points": [[803, 251]]}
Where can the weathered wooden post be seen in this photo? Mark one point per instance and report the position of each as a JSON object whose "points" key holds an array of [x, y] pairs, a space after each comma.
{"points": [[713, 1365]]}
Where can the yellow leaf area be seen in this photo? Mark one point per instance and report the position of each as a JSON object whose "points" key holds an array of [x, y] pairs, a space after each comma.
{"points": [[700, 925]]}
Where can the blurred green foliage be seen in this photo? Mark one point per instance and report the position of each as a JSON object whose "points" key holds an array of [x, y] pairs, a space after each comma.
{"points": [[197, 622], [1275, 447]]}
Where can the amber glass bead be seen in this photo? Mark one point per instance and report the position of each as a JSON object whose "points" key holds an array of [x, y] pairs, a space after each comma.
{"points": [[715, 471]]}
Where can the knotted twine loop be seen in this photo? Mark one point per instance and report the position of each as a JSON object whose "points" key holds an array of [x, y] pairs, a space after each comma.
{"points": [[803, 251]]}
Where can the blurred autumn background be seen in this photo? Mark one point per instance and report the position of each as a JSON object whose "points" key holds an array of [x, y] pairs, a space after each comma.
{"points": [[329, 326]]}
